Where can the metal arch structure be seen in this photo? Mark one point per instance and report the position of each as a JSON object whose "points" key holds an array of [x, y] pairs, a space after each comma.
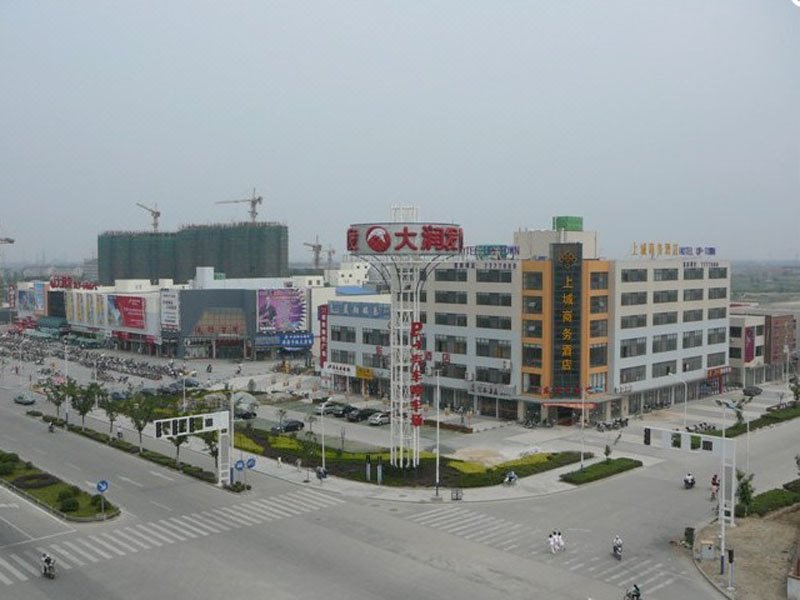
{"points": [[404, 252]]}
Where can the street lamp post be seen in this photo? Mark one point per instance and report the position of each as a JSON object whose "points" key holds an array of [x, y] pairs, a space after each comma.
{"points": [[685, 394], [583, 422], [183, 377], [66, 367], [322, 427], [438, 408], [722, 512]]}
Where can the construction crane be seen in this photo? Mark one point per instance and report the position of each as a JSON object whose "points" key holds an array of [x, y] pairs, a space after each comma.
{"points": [[330, 251], [316, 249], [154, 212], [255, 200]]}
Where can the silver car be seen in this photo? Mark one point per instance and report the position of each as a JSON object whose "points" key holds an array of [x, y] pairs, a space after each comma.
{"points": [[379, 418]]}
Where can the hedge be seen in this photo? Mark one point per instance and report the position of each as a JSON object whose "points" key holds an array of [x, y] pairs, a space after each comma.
{"points": [[33, 481], [768, 501], [601, 470], [766, 420]]}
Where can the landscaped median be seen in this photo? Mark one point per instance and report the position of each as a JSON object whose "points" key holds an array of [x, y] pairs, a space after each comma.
{"points": [[771, 417], [771, 500], [65, 500], [601, 470]]}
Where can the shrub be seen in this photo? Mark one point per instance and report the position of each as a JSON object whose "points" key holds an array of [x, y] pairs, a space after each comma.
{"points": [[793, 486], [29, 465], [237, 487], [68, 504], [64, 494], [9, 458], [34, 413], [6, 468], [35, 480], [96, 499], [769, 501], [601, 470], [466, 467]]}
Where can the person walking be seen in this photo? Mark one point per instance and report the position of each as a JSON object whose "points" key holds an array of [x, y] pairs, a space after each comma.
{"points": [[551, 540], [559, 541]]}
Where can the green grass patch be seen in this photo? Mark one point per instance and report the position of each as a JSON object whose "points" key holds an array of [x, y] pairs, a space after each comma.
{"points": [[773, 417], [242, 442], [768, 501], [601, 470]]}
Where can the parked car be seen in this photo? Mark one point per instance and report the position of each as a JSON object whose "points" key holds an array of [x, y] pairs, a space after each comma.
{"points": [[326, 409], [191, 383], [148, 391], [379, 418], [290, 425], [361, 414], [341, 410], [24, 400], [118, 396]]}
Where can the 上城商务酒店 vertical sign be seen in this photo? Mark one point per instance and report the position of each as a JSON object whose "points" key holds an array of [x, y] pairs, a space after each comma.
{"points": [[567, 260]]}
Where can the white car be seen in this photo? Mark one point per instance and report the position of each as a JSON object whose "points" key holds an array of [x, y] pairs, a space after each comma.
{"points": [[326, 409], [379, 418]]}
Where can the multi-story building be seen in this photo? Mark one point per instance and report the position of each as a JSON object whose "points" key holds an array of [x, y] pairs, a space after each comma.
{"points": [[762, 342], [747, 349]]}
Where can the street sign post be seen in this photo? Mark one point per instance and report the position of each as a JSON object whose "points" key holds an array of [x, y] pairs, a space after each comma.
{"points": [[102, 488]]}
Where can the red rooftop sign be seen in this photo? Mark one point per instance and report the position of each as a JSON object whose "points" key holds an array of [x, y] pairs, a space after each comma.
{"points": [[387, 239]]}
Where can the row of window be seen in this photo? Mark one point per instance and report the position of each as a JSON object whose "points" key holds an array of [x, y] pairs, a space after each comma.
{"points": [[737, 352], [663, 369], [533, 280], [481, 275], [670, 317], [671, 274], [669, 341], [481, 298], [736, 332], [534, 305], [664, 296]]}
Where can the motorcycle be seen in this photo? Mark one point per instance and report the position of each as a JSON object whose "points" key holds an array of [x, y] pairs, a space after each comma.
{"points": [[632, 595], [688, 484], [49, 569], [616, 550], [51, 428]]}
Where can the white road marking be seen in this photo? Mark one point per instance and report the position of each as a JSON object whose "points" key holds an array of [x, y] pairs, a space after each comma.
{"points": [[105, 544], [158, 504], [60, 554], [10, 524], [151, 532], [72, 466], [132, 532], [220, 519], [660, 585], [199, 523], [83, 553], [275, 511], [170, 529], [102, 553], [157, 474], [24, 564], [13, 570], [115, 538], [131, 481]]}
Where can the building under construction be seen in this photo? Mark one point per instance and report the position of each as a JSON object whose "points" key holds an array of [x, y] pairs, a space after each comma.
{"points": [[237, 250]]}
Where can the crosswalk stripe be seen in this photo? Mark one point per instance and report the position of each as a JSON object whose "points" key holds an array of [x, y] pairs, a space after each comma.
{"points": [[661, 585], [310, 500], [13, 570], [219, 519], [60, 561], [440, 520], [83, 553], [130, 537], [114, 549], [652, 579], [445, 513], [576, 566], [151, 531], [184, 525], [5, 579], [275, 511], [24, 564], [639, 574], [639, 570], [286, 505], [94, 549], [174, 530], [487, 530], [115, 538], [504, 532], [261, 511], [508, 548], [203, 524], [426, 513], [132, 532], [237, 515], [466, 523], [332, 500], [614, 567]]}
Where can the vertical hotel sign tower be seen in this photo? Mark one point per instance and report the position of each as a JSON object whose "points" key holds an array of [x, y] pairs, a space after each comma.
{"points": [[567, 260], [404, 252]]}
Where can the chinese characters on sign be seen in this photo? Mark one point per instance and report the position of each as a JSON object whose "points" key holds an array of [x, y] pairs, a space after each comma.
{"points": [[404, 238], [567, 290], [417, 370], [670, 249], [322, 317]]}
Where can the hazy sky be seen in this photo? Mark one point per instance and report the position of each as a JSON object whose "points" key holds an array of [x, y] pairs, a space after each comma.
{"points": [[656, 120]]}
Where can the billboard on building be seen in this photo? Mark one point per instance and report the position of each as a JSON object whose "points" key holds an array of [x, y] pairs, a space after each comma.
{"points": [[69, 305], [170, 310], [280, 309], [80, 315], [125, 311], [39, 298], [749, 344], [99, 310], [25, 301], [566, 298], [388, 239], [90, 313]]}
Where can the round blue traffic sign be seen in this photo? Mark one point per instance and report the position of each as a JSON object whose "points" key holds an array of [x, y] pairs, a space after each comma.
{"points": [[251, 462], [239, 465], [102, 486]]}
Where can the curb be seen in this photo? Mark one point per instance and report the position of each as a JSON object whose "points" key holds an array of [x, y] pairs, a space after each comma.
{"points": [[705, 575]]}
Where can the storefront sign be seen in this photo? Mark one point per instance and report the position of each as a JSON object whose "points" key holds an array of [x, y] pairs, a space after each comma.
{"points": [[340, 369], [567, 297], [322, 317], [364, 310], [717, 372], [170, 310], [491, 389], [387, 239], [364, 373], [491, 252], [417, 370]]}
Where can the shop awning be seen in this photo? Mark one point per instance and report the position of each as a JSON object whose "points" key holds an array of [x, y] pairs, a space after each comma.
{"points": [[578, 405]]}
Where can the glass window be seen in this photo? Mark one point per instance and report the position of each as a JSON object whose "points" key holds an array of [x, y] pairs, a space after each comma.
{"points": [[693, 363], [665, 296], [692, 315], [340, 333], [633, 298], [492, 299], [665, 274], [375, 337], [693, 273], [598, 328], [692, 294], [598, 355], [450, 275], [759, 330], [735, 332], [344, 357], [532, 383], [716, 359], [376, 361], [492, 348], [532, 355], [598, 304], [717, 272], [665, 318], [717, 313], [716, 335], [759, 350], [633, 347], [532, 328], [491, 322], [445, 297], [450, 343], [735, 352], [492, 276], [492, 375], [633, 321], [630, 275], [662, 369], [716, 293], [665, 342], [532, 305], [531, 280], [632, 374], [452, 319], [451, 370], [692, 339], [598, 281]]}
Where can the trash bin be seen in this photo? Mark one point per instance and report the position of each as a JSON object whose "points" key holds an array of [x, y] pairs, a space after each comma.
{"points": [[456, 494], [688, 535]]}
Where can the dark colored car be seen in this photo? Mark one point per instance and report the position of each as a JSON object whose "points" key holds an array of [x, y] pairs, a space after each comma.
{"points": [[191, 383], [290, 425], [148, 391], [341, 410], [118, 396], [24, 400], [361, 414]]}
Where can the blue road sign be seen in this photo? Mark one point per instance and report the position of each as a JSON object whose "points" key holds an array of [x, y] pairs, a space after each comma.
{"points": [[251, 462], [102, 486], [239, 465]]}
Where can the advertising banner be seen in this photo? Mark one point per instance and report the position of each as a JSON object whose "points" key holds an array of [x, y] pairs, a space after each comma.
{"points": [[749, 344], [170, 310], [90, 318], [322, 317], [80, 315], [388, 239], [25, 301], [99, 310], [39, 298], [69, 305], [125, 311], [281, 309], [364, 310]]}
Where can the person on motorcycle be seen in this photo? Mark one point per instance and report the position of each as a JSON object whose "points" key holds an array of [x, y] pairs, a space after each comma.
{"points": [[511, 477], [715, 480], [47, 562], [689, 480], [51, 427], [616, 544], [635, 593]]}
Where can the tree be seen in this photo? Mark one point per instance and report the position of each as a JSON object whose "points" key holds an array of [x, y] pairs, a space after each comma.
{"points": [[739, 408], [83, 399], [310, 419], [178, 441], [111, 408], [607, 452], [281, 416], [744, 490], [796, 390], [56, 395], [140, 409], [212, 445]]}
